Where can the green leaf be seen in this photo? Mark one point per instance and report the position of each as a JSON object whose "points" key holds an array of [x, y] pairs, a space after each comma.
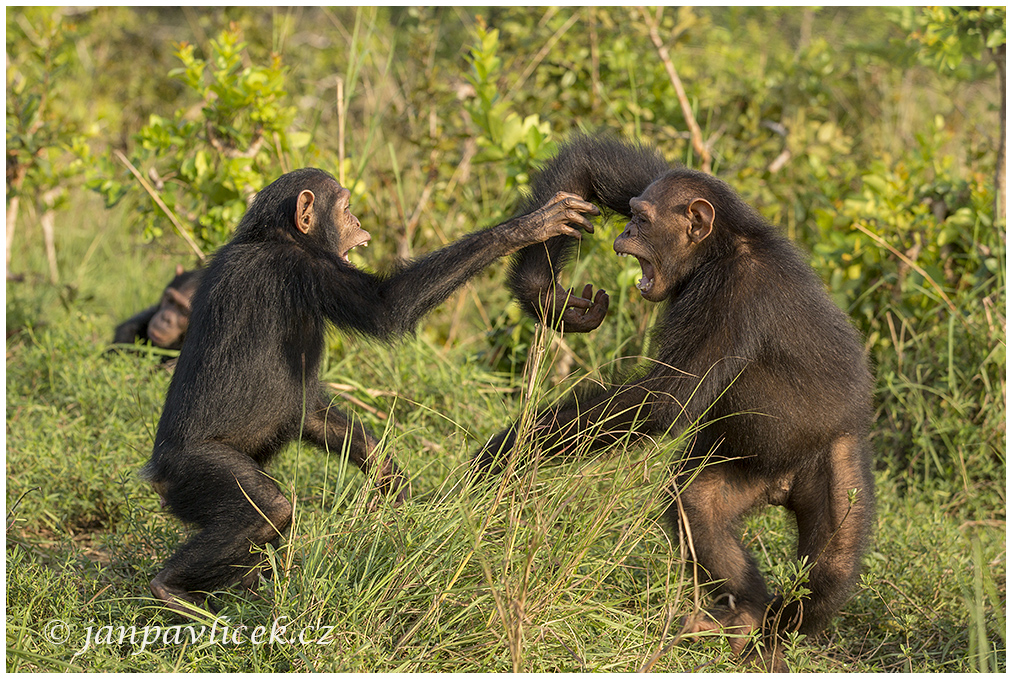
{"points": [[512, 132], [489, 154], [200, 164], [298, 140], [876, 183]]}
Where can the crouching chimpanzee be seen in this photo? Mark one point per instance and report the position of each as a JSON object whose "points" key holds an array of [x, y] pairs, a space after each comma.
{"points": [[246, 382], [751, 350], [164, 324]]}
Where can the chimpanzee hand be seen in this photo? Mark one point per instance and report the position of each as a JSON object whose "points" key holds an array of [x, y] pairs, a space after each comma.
{"points": [[563, 310], [557, 217], [392, 485], [494, 458]]}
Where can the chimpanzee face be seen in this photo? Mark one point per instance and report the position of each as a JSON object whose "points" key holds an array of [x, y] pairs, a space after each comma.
{"points": [[328, 218], [665, 230], [349, 230], [167, 327]]}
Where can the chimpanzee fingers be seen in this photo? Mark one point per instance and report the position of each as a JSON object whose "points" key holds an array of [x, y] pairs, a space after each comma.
{"points": [[574, 320], [572, 201], [587, 317], [594, 316], [566, 230], [569, 298], [574, 208], [588, 299], [577, 219], [582, 325], [563, 215]]}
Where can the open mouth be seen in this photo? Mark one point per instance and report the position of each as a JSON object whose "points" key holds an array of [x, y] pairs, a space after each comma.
{"points": [[646, 283], [363, 241]]}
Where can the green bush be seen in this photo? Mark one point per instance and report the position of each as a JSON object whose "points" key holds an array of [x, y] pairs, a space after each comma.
{"points": [[200, 171]]}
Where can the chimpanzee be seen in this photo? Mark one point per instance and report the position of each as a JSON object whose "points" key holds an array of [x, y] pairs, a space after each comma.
{"points": [[164, 324], [750, 352], [246, 382]]}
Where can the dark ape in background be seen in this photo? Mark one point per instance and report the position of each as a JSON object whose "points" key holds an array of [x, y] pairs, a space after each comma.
{"points": [[752, 350], [246, 381], [164, 324]]}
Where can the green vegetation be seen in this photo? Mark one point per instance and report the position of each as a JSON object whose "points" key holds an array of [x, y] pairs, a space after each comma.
{"points": [[871, 136]]}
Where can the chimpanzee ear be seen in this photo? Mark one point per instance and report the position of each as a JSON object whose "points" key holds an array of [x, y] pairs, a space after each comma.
{"points": [[179, 269], [304, 211], [701, 215]]}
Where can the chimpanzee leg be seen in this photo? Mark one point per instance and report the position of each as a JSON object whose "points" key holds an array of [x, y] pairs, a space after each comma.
{"points": [[329, 428], [832, 533], [234, 504], [712, 506]]}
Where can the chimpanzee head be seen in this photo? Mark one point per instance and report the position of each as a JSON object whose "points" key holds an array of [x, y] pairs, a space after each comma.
{"points": [[670, 222], [308, 206], [324, 214], [167, 328]]}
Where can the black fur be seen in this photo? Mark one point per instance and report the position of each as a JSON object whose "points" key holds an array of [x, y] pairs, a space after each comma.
{"points": [[603, 170]]}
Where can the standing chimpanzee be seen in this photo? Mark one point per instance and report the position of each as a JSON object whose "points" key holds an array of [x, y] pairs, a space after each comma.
{"points": [[750, 350], [163, 325], [246, 382]]}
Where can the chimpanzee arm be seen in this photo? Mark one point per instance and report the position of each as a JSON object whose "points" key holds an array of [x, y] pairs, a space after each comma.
{"points": [[135, 327], [598, 423], [389, 306], [627, 411], [666, 400], [693, 369], [603, 170]]}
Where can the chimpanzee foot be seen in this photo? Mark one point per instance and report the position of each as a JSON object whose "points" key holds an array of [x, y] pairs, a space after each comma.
{"points": [[770, 658], [738, 624], [734, 620], [393, 487], [176, 599]]}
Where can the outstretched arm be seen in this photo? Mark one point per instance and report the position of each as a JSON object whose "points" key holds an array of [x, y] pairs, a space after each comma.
{"points": [[603, 170], [599, 422], [389, 306], [666, 400]]}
